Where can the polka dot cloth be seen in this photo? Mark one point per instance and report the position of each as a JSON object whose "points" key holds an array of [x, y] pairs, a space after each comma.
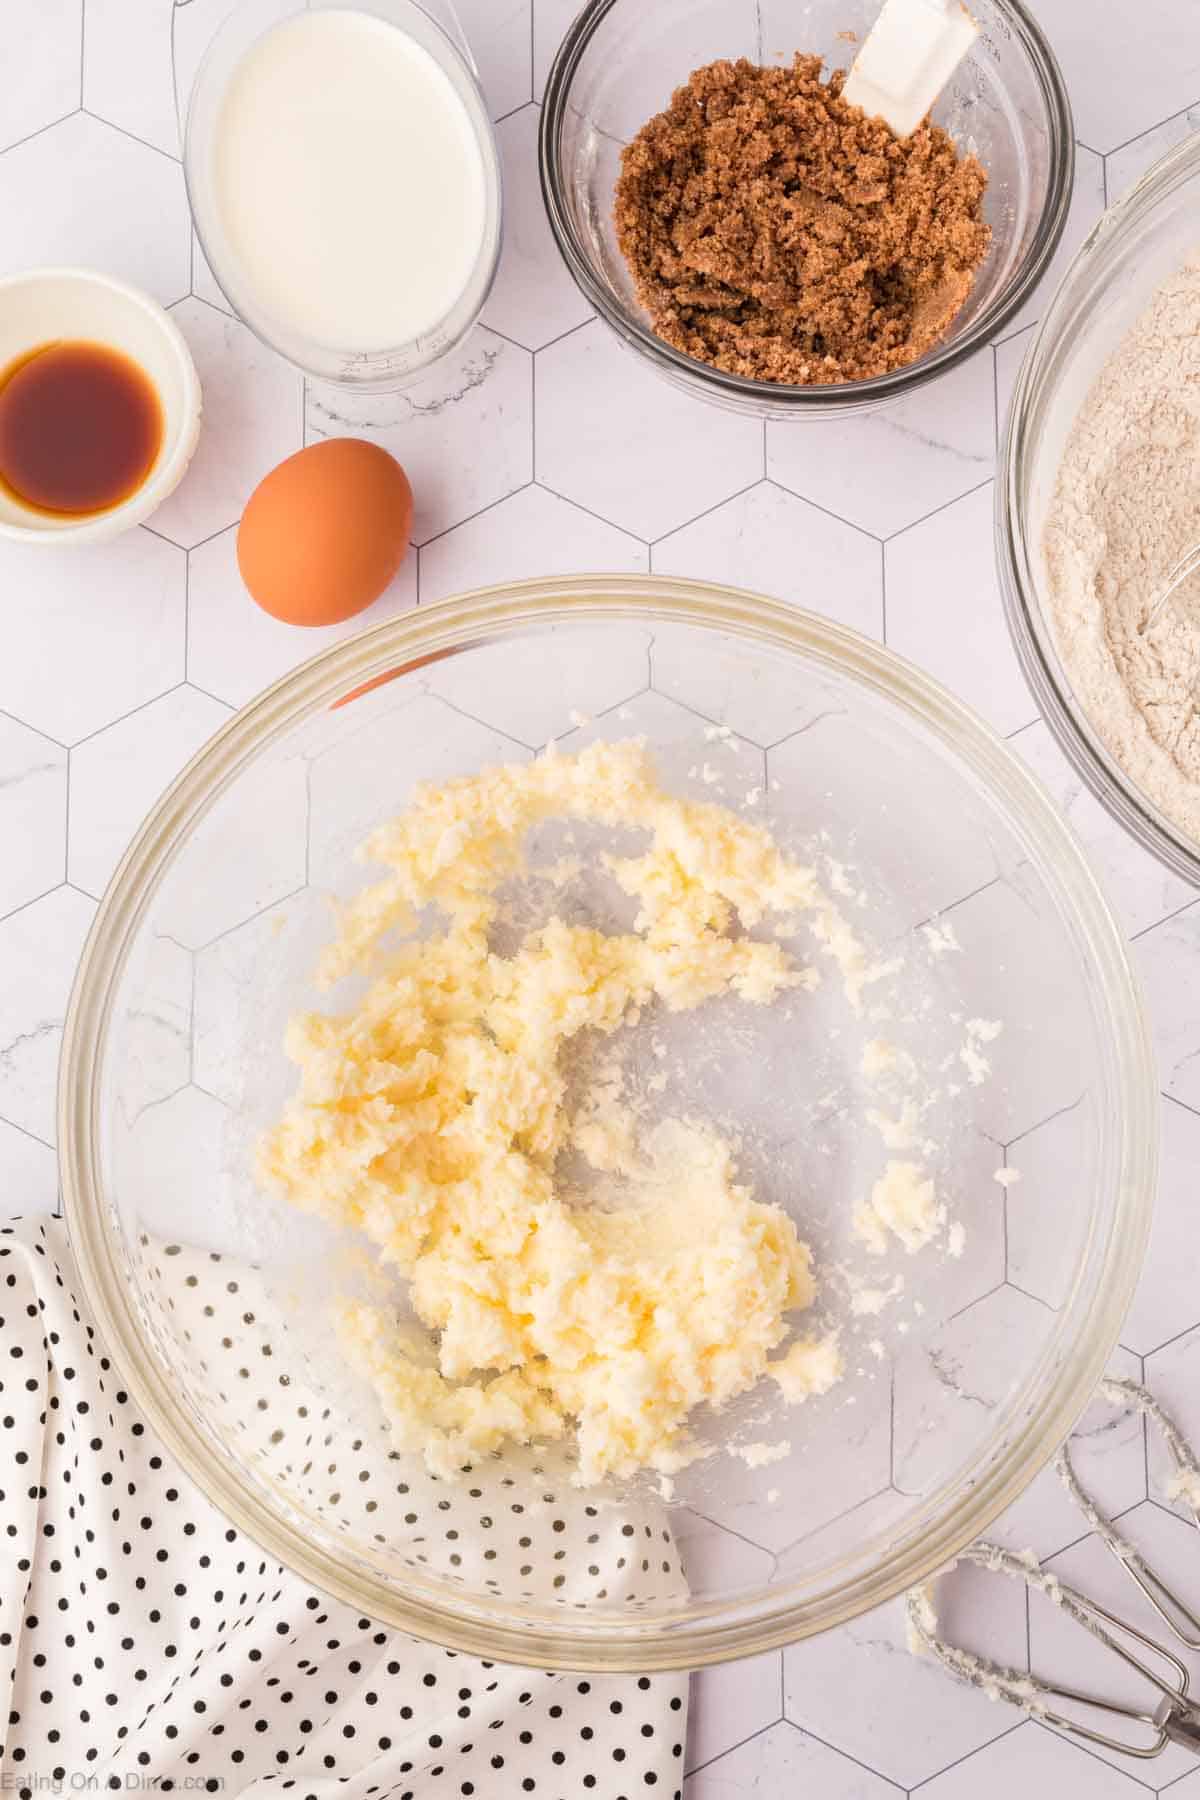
{"points": [[144, 1641]]}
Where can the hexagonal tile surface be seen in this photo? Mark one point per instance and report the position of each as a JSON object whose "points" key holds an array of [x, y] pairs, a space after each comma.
{"points": [[127, 75], [1172, 1374], [117, 775], [235, 649], [1056, 1642], [500, 33], [153, 1033], [532, 690], [39, 948], [33, 814], [550, 21], [28, 1173], [1031, 1762], [1008, 357], [422, 739], [943, 610], [253, 418], [1123, 167], [45, 37], [1087, 204], [534, 298], [1165, 1302], [68, 669], [729, 1703], [84, 193], [249, 852], [1044, 1165], [462, 433], [1108, 1452], [887, 469], [1168, 957], [770, 542], [533, 532], [1142, 890], [910, 1719], [785, 1760], [620, 440], [946, 1386], [1158, 66]]}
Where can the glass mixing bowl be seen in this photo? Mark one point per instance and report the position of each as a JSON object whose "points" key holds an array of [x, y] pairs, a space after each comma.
{"points": [[433, 24], [993, 942], [619, 64], [1135, 246]]}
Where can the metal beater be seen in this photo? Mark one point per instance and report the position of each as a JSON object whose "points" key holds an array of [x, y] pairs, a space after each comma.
{"points": [[1176, 1718]]}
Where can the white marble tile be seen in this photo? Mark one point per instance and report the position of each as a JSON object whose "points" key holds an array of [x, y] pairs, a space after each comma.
{"points": [[118, 774], [1009, 356], [1035, 1764], [422, 739], [1124, 166], [253, 418], [1125, 67], [33, 814], [535, 689], [204, 282], [193, 26], [39, 948], [786, 1761], [235, 649], [500, 35], [89, 632], [621, 440], [534, 298], [1060, 1649], [154, 1034], [249, 852], [1087, 204], [771, 542], [943, 610], [28, 1174], [462, 432], [715, 1561], [42, 40], [127, 75], [531, 533], [551, 19], [891, 467], [861, 1690], [83, 193], [1140, 888], [1045, 1164], [1165, 1302], [1168, 957], [1108, 1454], [730, 1702]]}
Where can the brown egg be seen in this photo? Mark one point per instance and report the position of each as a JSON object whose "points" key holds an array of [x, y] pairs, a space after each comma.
{"points": [[324, 533]]}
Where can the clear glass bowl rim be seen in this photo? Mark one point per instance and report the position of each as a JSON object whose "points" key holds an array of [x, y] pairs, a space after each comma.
{"points": [[1072, 1361], [1027, 622], [819, 395], [373, 380]]}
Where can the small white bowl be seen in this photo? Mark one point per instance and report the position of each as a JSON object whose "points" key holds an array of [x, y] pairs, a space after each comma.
{"points": [[45, 306]]}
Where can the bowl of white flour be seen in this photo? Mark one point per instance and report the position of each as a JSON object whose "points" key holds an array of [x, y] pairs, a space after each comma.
{"points": [[1100, 496]]}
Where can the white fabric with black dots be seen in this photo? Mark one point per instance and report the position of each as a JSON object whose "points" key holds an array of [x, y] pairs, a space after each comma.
{"points": [[143, 1641]]}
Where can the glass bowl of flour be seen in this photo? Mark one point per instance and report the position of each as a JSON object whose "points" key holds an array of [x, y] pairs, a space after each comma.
{"points": [[1100, 495], [607, 1122]]}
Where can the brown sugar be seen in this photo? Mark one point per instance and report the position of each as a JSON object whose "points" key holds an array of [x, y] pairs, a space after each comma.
{"points": [[781, 234]]}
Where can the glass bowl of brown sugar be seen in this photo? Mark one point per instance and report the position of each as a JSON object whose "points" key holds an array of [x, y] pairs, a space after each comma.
{"points": [[831, 349]]}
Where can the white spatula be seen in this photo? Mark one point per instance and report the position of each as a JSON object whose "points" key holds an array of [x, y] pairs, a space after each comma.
{"points": [[907, 58]]}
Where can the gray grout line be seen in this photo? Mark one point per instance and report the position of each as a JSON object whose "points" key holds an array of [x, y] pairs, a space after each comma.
{"points": [[806, 1731], [43, 129], [132, 713], [1074, 1743], [482, 513], [592, 513], [133, 137], [561, 338], [1166, 918], [695, 1768], [966, 1756], [850, 524], [1157, 126], [25, 1132], [67, 822], [945, 506], [738, 494]]}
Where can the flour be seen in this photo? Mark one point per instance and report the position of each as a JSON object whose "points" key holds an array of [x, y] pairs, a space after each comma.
{"points": [[1127, 505]]}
